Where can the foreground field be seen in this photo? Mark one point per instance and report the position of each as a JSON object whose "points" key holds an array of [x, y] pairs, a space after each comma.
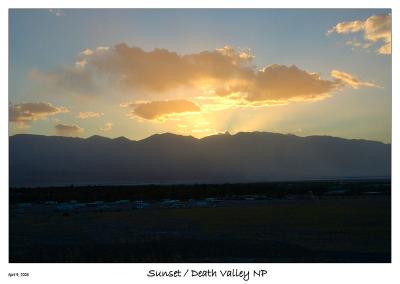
{"points": [[323, 230]]}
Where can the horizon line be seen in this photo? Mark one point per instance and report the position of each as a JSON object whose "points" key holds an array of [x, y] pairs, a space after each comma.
{"points": [[226, 133]]}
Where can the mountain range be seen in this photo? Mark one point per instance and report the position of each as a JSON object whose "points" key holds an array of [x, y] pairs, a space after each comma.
{"points": [[37, 160]]}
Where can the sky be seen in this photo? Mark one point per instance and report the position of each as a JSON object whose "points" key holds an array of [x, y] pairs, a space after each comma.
{"points": [[138, 72]]}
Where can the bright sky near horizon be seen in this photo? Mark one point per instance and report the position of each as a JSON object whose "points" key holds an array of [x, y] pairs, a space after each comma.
{"points": [[137, 72]]}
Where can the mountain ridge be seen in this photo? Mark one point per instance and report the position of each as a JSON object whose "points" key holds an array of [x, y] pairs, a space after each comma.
{"points": [[37, 160], [205, 137]]}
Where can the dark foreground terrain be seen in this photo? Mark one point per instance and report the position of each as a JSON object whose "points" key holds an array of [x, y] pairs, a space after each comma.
{"points": [[332, 222]]}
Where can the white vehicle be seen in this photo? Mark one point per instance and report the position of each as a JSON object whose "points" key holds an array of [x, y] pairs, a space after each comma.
{"points": [[139, 204], [124, 201]]}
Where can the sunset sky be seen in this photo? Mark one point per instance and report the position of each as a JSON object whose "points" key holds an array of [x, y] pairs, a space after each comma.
{"points": [[135, 73]]}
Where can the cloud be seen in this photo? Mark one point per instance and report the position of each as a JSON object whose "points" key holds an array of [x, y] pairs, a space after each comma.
{"points": [[25, 113], [376, 28], [156, 71], [160, 70], [68, 130], [80, 63], [107, 127], [386, 48], [156, 75], [57, 12], [89, 114], [280, 83], [159, 109], [347, 27], [357, 44], [351, 80], [86, 52]]}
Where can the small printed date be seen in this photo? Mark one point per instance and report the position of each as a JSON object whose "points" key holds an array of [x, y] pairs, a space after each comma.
{"points": [[18, 274]]}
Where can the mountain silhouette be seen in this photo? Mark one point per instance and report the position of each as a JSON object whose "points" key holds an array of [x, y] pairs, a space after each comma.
{"points": [[37, 160]]}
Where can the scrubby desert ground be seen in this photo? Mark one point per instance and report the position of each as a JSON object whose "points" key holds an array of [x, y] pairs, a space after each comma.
{"points": [[334, 229]]}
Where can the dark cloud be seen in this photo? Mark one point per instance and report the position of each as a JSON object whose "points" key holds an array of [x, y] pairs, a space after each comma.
{"points": [[68, 130], [280, 82], [159, 109], [24, 113]]}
